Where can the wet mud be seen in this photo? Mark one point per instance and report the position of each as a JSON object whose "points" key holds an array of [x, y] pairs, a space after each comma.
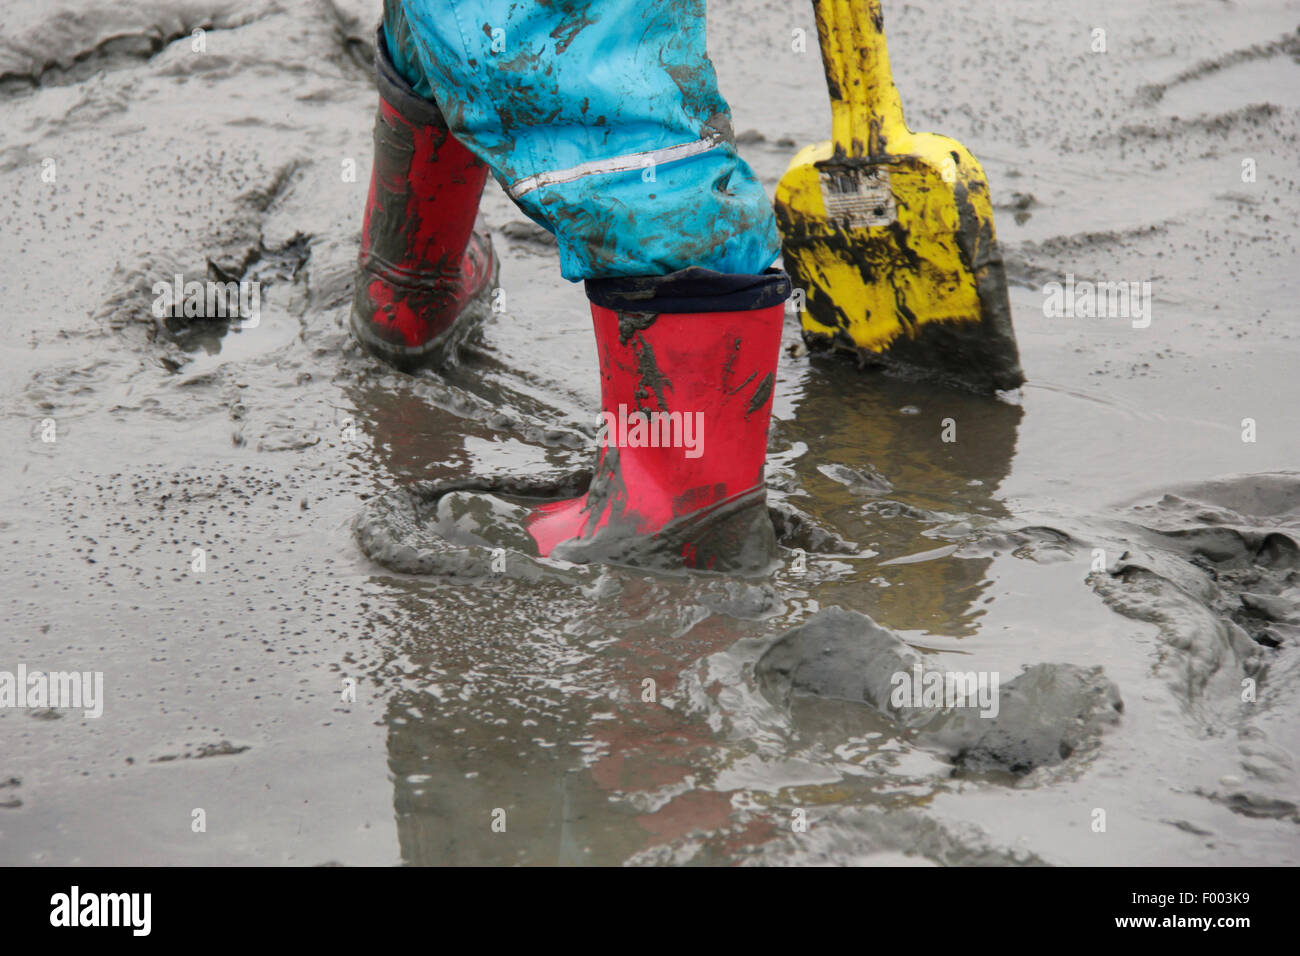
{"points": [[1045, 715], [474, 528], [179, 498]]}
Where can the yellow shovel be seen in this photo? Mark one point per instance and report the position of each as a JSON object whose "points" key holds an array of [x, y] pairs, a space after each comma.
{"points": [[887, 233]]}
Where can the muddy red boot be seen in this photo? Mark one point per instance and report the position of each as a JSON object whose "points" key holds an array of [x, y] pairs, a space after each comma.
{"points": [[687, 362], [425, 276]]}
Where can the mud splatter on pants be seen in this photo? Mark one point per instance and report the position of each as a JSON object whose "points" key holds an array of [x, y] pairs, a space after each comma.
{"points": [[601, 119]]}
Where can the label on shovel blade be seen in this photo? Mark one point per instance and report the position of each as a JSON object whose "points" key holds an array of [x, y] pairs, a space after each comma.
{"points": [[857, 197]]}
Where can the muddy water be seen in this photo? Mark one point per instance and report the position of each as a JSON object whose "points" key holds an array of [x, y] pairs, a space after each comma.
{"points": [[1112, 517]]}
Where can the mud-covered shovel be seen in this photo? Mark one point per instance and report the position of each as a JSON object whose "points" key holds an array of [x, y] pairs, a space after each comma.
{"points": [[889, 233]]}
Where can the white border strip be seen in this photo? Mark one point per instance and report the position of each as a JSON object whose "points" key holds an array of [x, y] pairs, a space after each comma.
{"points": [[616, 164]]}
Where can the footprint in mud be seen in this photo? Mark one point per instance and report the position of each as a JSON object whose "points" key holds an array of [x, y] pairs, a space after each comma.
{"points": [[1238, 539], [467, 528], [433, 528], [1215, 568]]}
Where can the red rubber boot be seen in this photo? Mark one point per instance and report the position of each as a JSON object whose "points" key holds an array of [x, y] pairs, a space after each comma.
{"points": [[688, 363], [425, 276]]}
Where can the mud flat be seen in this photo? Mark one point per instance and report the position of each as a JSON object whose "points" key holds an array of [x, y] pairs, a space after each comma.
{"points": [[178, 499]]}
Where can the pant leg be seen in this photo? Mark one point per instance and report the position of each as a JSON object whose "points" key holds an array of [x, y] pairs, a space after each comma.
{"points": [[401, 48], [602, 120]]}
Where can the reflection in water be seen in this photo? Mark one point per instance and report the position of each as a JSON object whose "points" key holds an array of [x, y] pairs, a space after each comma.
{"points": [[408, 438], [560, 715], [854, 419], [564, 740]]}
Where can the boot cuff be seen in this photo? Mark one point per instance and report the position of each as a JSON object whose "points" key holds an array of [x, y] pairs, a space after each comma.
{"points": [[397, 92], [691, 290]]}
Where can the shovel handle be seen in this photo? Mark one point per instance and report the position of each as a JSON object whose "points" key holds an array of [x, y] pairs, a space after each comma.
{"points": [[866, 112]]}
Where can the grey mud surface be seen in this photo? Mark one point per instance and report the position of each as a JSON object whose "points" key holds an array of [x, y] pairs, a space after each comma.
{"points": [[1109, 531]]}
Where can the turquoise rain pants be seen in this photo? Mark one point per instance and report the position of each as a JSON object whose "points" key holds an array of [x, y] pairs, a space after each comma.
{"points": [[602, 120]]}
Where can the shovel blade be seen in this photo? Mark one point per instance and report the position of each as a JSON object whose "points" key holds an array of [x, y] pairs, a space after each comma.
{"points": [[897, 261]]}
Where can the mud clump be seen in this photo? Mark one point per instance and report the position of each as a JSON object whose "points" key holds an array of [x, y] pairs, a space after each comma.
{"points": [[1045, 715], [839, 654], [798, 529]]}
